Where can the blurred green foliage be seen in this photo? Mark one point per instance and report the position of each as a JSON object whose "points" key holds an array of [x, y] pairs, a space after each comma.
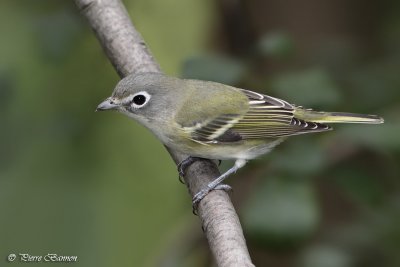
{"points": [[75, 182], [301, 86], [292, 212], [276, 44], [215, 68]]}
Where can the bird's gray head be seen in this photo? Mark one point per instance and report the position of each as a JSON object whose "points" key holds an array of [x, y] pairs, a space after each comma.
{"points": [[144, 97]]}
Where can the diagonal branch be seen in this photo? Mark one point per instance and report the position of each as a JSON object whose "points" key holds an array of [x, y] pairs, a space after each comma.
{"points": [[127, 52]]}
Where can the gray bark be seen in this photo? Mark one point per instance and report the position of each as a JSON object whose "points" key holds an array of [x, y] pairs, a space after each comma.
{"points": [[127, 52]]}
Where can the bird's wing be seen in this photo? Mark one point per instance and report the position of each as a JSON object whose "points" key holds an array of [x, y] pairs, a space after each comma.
{"points": [[254, 116], [270, 117], [210, 110]]}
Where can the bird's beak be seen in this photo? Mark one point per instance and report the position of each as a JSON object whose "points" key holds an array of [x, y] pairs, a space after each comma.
{"points": [[106, 105]]}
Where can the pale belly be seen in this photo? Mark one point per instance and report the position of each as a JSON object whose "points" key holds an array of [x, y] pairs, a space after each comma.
{"points": [[246, 150]]}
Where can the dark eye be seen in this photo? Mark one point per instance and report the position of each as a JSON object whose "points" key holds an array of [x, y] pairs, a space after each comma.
{"points": [[139, 100]]}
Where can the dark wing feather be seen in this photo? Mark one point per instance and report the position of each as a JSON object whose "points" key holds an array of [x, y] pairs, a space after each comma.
{"points": [[218, 129], [270, 117], [267, 117]]}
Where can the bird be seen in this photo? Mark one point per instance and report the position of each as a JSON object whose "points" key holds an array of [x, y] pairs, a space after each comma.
{"points": [[206, 119]]}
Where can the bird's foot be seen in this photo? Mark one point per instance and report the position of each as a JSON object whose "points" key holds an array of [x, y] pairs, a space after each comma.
{"points": [[205, 191], [183, 165]]}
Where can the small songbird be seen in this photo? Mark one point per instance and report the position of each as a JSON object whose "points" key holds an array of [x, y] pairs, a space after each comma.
{"points": [[216, 121]]}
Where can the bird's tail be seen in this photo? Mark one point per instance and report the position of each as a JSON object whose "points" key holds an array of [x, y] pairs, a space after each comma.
{"points": [[336, 117]]}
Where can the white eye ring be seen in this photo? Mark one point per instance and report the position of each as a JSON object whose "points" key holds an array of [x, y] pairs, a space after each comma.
{"points": [[140, 99]]}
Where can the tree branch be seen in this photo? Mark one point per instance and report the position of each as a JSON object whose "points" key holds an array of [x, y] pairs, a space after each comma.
{"points": [[127, 52]]}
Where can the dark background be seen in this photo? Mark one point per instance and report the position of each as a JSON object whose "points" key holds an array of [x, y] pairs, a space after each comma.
{"points": [[101, 187]]}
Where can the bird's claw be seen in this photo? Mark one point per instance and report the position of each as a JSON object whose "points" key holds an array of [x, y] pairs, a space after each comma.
{"points": [[183, 165], [204, 192]]}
